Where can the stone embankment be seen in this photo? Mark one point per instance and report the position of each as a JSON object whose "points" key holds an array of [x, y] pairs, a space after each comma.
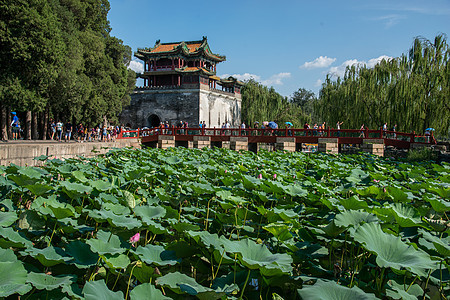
{"points": [[23, 152]]}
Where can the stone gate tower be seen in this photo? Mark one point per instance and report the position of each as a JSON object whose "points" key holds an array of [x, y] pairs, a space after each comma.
{"points": [[180, 84]]}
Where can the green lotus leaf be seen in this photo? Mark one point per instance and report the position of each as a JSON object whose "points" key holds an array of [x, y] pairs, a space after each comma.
{"points": [[11, 238], [295, 190], [398, 195], [391, 251], [116, 220], [13, 279], [184, 226], [8, 218], [97, 290], [156, 228], [38, 189], [105, 243], [32, 172], [116, 261], [441, 245], [400, 291], [7, 255], [353, 203], [49, 256], [23, 180], [147, 291], [202, 188], [330, 290], [43, 281], [116, 208], [80, 176], [444, 192], [172, 160], [100, 185], [280, 231], [180, 283], [61, 210], [405, 216], [439, 205], [257, 256], [75, 190], [354, 218], [157, 255], [370, 191], [357, 175], [147, 213], [81, 254], [40, 205]]}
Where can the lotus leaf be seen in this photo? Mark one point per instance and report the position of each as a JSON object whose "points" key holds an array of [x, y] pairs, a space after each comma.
{"points": [[181, 283], [75, 190], [81, 254], [38, 189], [399, 291], [441, 245], [105, 243], [147, 213], [357, 175], [14, 280], [330, 290], [8, 218], [49, 256], [157, 255], [116, 261], [100, 185], [129, 199], [256, 256], [147, 291], [11, 238], [354, 218], [43, 281], [353, 203], [97, 290], [391, 251]]}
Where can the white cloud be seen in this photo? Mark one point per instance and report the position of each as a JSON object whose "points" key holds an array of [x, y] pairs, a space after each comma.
{"points": [[136, 66], [320, 62], [339, 71], [318, 83], [276, 79]]}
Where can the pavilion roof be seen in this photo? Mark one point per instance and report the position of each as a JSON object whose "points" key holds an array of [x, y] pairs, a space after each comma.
{"points": [[177, 49]]}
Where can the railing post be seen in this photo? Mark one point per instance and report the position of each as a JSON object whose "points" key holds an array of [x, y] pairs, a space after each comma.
{"points": [[412, 137], [328, 132], [366, 133], [138, 133]]}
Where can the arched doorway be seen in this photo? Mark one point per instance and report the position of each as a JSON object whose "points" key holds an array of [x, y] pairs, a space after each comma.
{"points": [[153, 121]]}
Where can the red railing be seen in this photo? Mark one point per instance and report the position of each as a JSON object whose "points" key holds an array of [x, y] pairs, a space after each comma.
{"points": [[285, 132]]}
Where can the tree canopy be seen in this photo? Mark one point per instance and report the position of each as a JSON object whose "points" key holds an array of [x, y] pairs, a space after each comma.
{"points": [[59, 60], [411, 91], [260, 103]]}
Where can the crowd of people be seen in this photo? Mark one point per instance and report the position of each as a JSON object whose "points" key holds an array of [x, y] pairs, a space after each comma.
{"points": [[80, 133]]}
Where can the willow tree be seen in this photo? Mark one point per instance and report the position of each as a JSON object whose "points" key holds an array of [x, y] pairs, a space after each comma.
{"points": [[411, 91], [260, 103]]}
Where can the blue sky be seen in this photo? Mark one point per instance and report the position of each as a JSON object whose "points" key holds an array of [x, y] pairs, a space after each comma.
{"points": [[284, 44]]}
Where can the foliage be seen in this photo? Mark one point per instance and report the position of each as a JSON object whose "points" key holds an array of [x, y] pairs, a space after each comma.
{"points": [[410, 91], [217, 224], [422, 154], [306, 100], [260, 103], [58, 57]]}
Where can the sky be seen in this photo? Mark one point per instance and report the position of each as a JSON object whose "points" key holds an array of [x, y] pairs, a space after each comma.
{"points": [[285, 44]]}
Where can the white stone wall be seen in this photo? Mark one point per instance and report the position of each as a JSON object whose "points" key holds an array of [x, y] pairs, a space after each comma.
{"points": [[218, 107]]}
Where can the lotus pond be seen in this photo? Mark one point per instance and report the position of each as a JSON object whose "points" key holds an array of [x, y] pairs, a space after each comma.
{"points": [[220, 224]]}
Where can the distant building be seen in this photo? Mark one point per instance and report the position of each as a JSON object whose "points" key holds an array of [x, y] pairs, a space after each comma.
{"points": [[180, 84]]}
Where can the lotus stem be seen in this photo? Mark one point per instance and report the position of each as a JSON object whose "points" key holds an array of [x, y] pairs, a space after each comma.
{"points": [[412, 283], [245, 284], [129, 280], [426, 285], [51, 237]]}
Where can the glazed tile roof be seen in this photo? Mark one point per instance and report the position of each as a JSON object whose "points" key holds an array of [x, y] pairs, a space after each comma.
{"points": [[190, 48]]}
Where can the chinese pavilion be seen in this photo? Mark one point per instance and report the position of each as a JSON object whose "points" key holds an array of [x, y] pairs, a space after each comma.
{"points": [[180, 84]]}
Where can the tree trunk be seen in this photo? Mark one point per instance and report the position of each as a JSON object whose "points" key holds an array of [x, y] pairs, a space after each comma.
{"points": [[4, 122], [27, 133], [45, 123], [8, 121], [34, 126]]}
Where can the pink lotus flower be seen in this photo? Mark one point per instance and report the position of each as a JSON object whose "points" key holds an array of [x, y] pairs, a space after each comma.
{"points": [[274, 176], [260, 176], [376, 181], [226, 171], [135, 238]]}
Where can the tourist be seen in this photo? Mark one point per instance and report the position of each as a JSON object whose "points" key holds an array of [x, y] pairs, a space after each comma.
{"points": [[323, 128], [385, 126], [338, 127], [394, 129], [80, 133], [306, 127], [68, 133], [59, 128], [315, 129], [52, 128], [15, 124], [361, 135]]}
